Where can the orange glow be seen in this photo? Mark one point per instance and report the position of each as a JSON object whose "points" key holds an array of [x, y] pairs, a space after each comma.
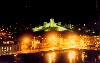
{"points": [[71, 56], [24, 47], [52, 34], [72, 41], [26, 39], [52, 38], [76, 41], [3, 33], [51, 57]]}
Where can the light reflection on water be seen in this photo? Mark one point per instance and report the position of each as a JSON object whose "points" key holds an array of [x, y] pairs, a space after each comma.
{"points": [[64, 56], [51, 57], [69, 56], [99, 56], [83, 56]]}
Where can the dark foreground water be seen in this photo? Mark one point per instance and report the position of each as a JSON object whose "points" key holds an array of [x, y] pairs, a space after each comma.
{"points": [[65, 56]]}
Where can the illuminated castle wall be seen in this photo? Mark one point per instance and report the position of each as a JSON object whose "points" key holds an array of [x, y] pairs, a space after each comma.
{"points": [[51, 23], [50, 26]]}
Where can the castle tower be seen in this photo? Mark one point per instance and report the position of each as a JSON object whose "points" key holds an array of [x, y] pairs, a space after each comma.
{"points": [[52, 23]]}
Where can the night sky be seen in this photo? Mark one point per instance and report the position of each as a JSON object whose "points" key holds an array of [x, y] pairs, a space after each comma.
{"points": [[35, 12]]}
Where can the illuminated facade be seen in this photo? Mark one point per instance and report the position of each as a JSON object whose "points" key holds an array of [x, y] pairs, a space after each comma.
{"points": [[7, 45], [50, 26], [7, 49]]}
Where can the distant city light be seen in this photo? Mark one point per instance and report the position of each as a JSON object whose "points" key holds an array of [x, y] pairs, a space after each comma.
{"points": [[79, 28], [10, 26], [84, 24]]}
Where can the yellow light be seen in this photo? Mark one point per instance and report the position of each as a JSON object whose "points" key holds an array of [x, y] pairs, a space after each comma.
{"points": [[71, 56], [2, 29], [26, 40], [9, 36], [99, 56], [53, 37], [51, 57], [10, 48], [1, 38], [4, 42], [83, 56], [24, 47], [7, 42], [15, 55]]}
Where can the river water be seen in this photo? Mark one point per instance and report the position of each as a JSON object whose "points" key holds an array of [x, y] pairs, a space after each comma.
{"points": [[61, 56]]}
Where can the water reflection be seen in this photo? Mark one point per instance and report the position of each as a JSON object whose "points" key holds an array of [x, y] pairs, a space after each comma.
{"points": [[71, 56], [68, 56], [99, 56], [64, 56], [83, 56], [51, 57]]}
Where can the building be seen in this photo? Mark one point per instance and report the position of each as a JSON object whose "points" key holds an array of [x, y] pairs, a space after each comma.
{"points": [[7, 43]]}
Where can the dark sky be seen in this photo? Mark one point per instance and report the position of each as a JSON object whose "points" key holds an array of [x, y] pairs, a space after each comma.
{"points": [[29, 11]]}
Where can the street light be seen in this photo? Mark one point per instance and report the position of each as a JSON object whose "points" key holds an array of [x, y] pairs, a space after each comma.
{"points": [[25, 42], [52, 40]]}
